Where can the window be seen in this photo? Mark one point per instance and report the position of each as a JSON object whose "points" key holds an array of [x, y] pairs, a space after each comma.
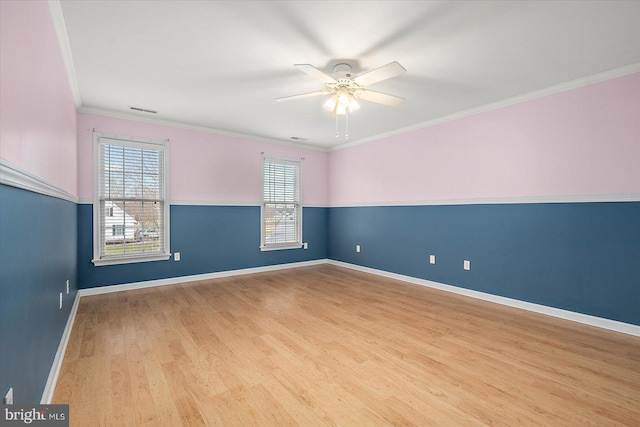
{"points": [[131, 210], [281, 223]]}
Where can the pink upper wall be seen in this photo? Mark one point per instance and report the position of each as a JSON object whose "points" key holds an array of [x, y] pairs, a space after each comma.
{"points": [[204, 167], [37, 110], [580, 142]]}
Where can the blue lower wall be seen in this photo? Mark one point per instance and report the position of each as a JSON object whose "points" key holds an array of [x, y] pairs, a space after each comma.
{"points": [[38, 238], [209, 238], [582, 257]]}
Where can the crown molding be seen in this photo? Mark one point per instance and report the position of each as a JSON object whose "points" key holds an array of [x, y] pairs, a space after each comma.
{"points": [[541, 93], [551, 90], [198, 128], [55, 7], [15, 176]]}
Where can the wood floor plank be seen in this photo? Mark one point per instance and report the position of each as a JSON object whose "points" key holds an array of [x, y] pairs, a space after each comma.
{"points": [[324, 345]]}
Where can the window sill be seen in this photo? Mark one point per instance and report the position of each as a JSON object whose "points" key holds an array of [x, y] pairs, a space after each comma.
{"points": [[129, 260], [278, 248]]}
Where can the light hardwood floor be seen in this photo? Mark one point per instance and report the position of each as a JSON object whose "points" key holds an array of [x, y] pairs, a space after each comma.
{"points": [[325, 345]]}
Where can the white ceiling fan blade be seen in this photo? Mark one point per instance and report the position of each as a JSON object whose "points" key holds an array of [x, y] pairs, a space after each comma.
{"points": [[304, 95], [392, 69], [379, 97], [315, 73]]}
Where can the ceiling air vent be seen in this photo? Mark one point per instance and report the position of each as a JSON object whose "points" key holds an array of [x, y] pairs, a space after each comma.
{"points": [[143, 110], [298, 138]]}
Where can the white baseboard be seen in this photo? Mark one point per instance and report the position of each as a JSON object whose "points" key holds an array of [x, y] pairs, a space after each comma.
{"points": [[50, 387], [196, 277], [613, 325]]}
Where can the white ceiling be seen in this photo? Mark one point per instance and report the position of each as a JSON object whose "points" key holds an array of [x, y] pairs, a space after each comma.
{"points": [[221, 64]]}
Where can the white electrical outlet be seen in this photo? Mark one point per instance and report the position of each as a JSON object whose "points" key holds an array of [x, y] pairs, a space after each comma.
{"points": [[67, 287], [60, 300], [357, 248], [432, 259], [176, 256], [305, 245], [8, 398], [467, 264]]}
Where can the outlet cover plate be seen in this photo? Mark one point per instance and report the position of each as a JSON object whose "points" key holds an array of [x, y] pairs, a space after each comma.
{"points": [[467, 264], [432, 259]]}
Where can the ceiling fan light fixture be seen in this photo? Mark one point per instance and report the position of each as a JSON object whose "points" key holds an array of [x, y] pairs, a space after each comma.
{"points": [[341, 102], [353, 105], [330, 104], [343, 98]]}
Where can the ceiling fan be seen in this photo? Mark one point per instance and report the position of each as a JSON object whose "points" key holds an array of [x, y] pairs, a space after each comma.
{"points": [[345, 87]]}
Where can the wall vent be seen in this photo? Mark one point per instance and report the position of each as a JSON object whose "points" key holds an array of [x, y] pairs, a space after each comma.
{"points": [[143, 110]]}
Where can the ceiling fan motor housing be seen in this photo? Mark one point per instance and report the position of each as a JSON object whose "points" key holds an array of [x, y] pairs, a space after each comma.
{"points": [[344, 78], [342, 71]]}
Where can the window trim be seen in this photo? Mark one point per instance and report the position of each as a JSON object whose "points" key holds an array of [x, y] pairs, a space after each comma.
{"points": [[137, 143], [281, 246]]}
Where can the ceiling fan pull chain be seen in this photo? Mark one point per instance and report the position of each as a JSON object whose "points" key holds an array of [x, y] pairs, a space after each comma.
{"points": [[346, 124], [337, 134]]}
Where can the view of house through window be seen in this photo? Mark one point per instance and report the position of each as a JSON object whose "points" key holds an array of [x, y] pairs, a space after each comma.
{"points": [[281, 209], [131, 197]]}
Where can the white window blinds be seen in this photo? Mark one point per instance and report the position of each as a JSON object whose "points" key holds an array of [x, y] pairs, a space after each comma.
{"points": [[281, 209], [132, 207]]}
